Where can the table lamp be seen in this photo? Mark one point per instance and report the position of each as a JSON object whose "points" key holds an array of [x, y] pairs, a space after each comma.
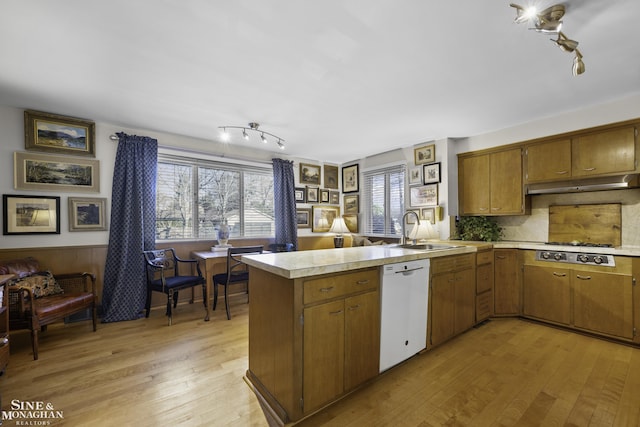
{"points": [[339, 227]]}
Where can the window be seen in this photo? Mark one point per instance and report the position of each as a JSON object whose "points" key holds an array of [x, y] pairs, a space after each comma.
{"points": [[383, 195], [194, 196]]}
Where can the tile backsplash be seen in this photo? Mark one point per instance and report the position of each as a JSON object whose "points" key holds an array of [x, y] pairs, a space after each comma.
{"points": [[535, 227]]}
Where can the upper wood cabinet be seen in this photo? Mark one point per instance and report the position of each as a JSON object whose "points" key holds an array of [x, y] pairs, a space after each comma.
{"points": [[611, 151], [594, 153], [491, 183], [548, 161]]}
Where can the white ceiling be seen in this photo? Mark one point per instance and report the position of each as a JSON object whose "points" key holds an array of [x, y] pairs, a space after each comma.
{"points": [[336, 79]]}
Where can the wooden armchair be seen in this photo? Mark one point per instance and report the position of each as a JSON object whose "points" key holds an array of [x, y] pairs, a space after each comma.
{"points": [[33, 304]]}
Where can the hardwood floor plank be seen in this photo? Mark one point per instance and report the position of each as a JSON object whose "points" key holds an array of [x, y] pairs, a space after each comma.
{"points": [[507, 372]]}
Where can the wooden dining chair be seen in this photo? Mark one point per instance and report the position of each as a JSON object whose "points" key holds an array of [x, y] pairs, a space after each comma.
{"points": [[237, 272]]}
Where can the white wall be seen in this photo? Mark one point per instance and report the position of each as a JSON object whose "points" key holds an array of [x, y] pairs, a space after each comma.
{"points": [[12, 140]]}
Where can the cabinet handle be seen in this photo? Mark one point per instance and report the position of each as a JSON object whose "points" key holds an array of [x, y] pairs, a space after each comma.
{"points": [[329, 289], [561, 172], [583, 277], [333, 313], [589, 169], [495, 209], [362, 282], [451, 280], [354, 307], [483, 209], [559, 274], [501, 257]]}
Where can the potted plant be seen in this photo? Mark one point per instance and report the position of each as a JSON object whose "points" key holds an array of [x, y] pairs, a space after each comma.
{"points": [[479, 228]]}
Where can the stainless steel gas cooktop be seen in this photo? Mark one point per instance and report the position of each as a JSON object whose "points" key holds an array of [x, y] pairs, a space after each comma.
{"points": [[576, 258]]}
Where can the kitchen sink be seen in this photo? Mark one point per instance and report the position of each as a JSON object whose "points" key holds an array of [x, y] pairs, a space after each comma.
{"points": [[426, 246]]}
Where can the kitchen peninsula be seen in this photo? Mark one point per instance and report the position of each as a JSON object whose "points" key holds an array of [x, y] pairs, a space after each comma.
{"points": [[314, 323]]}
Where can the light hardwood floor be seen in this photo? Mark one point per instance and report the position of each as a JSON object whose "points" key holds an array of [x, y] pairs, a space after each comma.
{"points": [[507, 372]]}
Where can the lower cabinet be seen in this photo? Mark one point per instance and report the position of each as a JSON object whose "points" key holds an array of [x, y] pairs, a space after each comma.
{"points": [[594, 299], [603, 303], [484, 285], [341, 348], [547, 293], [453, 297], [506, 287]]}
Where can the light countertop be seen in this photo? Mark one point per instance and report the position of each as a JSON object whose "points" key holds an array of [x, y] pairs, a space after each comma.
{"points": [[297, 264]]}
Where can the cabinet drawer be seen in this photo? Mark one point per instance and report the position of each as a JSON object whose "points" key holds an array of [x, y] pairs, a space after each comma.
{"points": [[484, 278], [484, 306], [328, 287], [484, 257], [452, 263]]}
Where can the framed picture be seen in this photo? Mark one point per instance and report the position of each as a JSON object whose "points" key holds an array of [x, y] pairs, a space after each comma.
{"points": [[334, 197], [59, 134], [55, 173], [303, 218], [426, 154], [324, 196], [300, 195], [30, 214], [432, 173], [87, 214], [312, 195], [323, 217], [331, 177], [411, 219], [350, 179], [415, 176], [352, 222], [351, 204], [309, 174], [425, 195], [428, 214]]}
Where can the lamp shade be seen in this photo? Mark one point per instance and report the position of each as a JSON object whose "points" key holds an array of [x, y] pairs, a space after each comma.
{"points": [[423, 230], [339, 226]]}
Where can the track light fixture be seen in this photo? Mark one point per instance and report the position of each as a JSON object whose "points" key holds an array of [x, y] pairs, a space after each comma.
{"points": [[550, 21], [253, 126]]}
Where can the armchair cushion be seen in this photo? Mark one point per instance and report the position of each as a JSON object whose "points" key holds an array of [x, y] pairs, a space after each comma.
{"points": [[42, 284]]}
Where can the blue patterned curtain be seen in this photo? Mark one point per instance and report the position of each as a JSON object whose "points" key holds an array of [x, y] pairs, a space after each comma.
{"points": [[285, 202], [132, 227]]}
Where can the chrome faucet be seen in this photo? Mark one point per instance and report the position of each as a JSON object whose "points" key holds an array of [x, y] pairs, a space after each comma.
{"points": [[404, 239]]}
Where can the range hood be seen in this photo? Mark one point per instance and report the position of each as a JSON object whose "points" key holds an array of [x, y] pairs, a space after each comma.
{"points": [[585, 184]]}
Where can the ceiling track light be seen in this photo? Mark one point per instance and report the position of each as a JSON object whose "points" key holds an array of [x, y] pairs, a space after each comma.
{"points": [[550, 21], [252, 126]]}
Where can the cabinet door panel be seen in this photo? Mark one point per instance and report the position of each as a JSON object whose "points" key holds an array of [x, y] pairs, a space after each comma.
{"points": [[506, 182], [464, 301], [604, 152], [506, 287], [547, 293], [362, 338], [441, 309], [549, 161], [603, 302], [475, 185], [323, 354]]}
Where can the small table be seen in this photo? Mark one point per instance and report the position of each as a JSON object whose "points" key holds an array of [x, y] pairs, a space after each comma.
{"points": [[209, 261]]}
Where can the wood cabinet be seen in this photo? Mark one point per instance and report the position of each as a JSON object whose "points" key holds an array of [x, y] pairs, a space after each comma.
{"points": [[547, 293], [312, 339], [507, 282], [604, 152], [452, 300], [600, 151], [491, 183], [484, 285], [4, 321], [603, 303], [596, 299], [548, 161]]}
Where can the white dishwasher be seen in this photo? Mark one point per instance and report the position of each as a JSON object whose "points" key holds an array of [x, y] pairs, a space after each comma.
{"points": [[403, 317]]}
